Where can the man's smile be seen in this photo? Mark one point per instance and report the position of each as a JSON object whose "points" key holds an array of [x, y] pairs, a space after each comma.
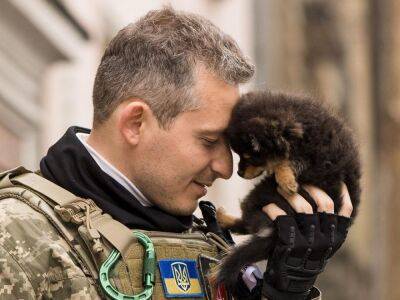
{"points": [[201, 187]]}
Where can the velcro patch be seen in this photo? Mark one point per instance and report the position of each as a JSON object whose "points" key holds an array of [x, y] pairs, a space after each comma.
{"points": [[180, 278]]}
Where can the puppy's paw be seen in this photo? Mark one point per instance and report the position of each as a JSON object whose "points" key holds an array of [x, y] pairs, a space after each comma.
{"points": [[286, 178], [288, 183], [225, 220], [290, 187]]}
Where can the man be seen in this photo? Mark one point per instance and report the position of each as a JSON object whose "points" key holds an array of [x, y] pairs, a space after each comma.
{"points": [[162, 97]]}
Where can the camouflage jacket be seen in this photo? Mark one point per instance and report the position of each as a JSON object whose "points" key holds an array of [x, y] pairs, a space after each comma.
{"points": [[35, 261]]}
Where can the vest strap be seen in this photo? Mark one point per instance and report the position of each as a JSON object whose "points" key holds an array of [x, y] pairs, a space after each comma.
{"points": [[43, 186], [73, 209]]}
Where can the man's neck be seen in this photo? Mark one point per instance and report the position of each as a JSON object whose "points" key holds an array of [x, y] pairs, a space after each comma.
{"points": [[97, 141], [109, 167]]}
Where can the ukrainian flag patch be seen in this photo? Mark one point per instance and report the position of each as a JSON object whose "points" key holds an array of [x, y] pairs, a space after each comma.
{"points": [[180, 278]]}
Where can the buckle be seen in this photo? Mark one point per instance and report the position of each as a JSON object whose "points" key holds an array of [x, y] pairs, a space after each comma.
{"points": [[76, 211], [148, 271]]}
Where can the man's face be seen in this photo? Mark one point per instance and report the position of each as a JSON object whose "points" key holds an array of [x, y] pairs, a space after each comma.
{"points": [[177, 164]]}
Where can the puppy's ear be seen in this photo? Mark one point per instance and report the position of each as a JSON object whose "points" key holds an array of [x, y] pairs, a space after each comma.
{"points": [[294, 130]]}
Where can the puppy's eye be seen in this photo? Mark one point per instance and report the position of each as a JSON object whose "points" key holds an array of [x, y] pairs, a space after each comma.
{"points": [[257, 161], [253, 159]]}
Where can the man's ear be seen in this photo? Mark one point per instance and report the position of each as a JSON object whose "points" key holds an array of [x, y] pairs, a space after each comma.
{"points": [[130, 121]]}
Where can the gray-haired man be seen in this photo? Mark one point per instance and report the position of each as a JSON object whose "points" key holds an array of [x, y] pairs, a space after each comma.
{"points": [[162, 97]]}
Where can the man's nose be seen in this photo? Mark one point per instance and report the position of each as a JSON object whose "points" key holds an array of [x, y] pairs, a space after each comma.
{"points": [[222, 164]]}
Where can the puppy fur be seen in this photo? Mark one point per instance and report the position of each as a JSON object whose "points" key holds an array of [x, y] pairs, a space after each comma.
{"points": [[293, 140]]}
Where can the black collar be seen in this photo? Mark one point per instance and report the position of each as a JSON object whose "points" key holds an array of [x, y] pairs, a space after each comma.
{"points": [[70, 165]]}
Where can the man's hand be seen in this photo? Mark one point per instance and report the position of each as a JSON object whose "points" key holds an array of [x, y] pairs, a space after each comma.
{"points": [[304, 242]]}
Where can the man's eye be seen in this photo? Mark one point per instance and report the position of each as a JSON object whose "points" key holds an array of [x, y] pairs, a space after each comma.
{"points": [[210, 142]]}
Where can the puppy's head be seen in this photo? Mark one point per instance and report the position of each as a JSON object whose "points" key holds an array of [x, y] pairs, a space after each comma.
{"points": [[261, 135]]}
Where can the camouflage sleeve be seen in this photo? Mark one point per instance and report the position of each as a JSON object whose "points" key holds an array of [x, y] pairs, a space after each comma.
{"points": [[35, 261], [14, 283]]}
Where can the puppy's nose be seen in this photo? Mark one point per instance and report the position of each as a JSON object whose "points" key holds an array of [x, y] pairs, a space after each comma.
{"points": [[240, 173]]}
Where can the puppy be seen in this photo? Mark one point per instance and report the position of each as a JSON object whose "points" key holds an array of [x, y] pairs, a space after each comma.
{"points": [[293, 140]]}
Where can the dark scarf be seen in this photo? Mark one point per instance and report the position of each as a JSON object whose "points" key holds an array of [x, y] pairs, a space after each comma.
{"points": [[70, 165]]}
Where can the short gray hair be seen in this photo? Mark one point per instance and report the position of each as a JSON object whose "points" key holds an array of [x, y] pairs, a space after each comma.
{"points": [[155, 58]]}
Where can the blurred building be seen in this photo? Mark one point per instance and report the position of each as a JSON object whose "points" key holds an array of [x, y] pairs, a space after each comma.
{"points": [[343, 52]]}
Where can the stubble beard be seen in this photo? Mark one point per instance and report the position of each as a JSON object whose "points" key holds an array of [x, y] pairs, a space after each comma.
{"points": [[162, 197]]}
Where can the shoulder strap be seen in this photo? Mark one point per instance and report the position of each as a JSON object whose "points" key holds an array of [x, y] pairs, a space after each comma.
{"points": [[22, 176], [70, 207]]}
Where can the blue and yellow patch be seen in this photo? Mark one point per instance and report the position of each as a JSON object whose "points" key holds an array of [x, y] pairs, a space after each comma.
{"points": [[180, 278]]}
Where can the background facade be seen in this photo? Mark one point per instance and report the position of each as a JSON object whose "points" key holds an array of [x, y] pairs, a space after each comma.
{"points": [[344, 52]]}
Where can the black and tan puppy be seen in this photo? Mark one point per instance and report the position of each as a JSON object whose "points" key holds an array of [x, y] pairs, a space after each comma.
{"points": [[293, 140]]}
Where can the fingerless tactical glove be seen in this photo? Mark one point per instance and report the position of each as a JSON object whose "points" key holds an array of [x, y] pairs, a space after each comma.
{"points": [[304, 244]]}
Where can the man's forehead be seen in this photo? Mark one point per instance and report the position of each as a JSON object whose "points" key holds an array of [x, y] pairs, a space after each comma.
{"points": [[205, 120], [212, 117], [219, 95], [216, 100], [210, 88]]}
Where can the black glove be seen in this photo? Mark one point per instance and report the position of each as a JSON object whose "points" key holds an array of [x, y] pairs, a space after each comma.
{"points": [[304, 244], [209, 213]]}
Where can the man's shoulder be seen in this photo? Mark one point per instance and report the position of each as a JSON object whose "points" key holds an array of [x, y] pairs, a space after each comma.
{"points": [[33, 251], [21, 224]]}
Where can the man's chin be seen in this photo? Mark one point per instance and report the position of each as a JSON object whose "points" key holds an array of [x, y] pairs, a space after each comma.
{"points": [[180, 210], [178, 206]]}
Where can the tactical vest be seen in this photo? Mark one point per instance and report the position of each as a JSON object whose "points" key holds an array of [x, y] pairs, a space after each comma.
{"points": [[183, 260]]}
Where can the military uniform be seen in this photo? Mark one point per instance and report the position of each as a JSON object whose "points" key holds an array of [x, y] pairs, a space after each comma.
{"points": [[48, 251], [35, 260]]}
